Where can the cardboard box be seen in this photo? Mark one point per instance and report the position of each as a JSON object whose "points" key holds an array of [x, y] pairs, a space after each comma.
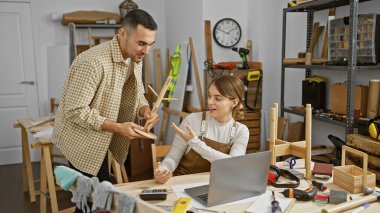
{"points": [[338, 98]]}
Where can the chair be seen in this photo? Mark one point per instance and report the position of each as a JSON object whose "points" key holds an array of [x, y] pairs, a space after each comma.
{"points": [[159, 152]]}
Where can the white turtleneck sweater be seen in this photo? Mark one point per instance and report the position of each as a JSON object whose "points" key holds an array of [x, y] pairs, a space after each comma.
{"points": [[216, 131]]}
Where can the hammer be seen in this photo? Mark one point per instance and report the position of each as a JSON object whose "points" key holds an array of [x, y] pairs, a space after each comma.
{"points": [[375, 196]]}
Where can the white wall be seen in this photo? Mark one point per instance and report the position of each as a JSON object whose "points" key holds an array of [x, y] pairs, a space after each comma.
{"points": [[48, 34], [261, 21]]}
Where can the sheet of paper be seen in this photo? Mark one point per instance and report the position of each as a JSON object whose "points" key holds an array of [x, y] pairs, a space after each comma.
{"points": [[179, 190], [263, 203]]}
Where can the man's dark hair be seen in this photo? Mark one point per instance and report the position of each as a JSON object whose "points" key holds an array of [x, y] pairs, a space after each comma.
{"points": [[136, 17]]}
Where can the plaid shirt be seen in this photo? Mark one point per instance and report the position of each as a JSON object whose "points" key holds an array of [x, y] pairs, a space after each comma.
{"points": [[96, 89]]}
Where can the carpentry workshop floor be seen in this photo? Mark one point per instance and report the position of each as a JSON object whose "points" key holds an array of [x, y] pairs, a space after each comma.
{"points": [[12, 197]]}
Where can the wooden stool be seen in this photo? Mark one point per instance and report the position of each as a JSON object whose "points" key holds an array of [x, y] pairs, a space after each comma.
{"points": [[46, 175], [300, 149]]}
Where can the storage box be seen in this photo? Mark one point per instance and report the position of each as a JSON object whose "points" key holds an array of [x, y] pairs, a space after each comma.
{"points": [[338, 98], [314, 93], [353, 178], [368, 40]]}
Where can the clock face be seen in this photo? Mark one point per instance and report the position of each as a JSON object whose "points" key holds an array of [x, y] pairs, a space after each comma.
{"points": [[227, 32]]}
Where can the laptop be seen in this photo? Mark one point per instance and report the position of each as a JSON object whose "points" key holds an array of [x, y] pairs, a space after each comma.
{"points": [[233, 179]]}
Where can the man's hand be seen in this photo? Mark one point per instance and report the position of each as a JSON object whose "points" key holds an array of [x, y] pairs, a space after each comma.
{"points": [[126, 130], [185, 135], [162, 174], [150, 120]]}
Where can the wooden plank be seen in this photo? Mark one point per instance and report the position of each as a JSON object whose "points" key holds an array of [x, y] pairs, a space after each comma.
{"points": [[250, 124], [157, 68], [250, 116], [324, 53], [50, 179], [208, 40], [254, 139], [296, 131], [350, 161], [147, 73], [373, 162], [249, 47], [254, 131], [197, 79], [281, 150], [167, 70], [281, 127], [278, 142], [253, 146], [28, 164], [364, 143]]}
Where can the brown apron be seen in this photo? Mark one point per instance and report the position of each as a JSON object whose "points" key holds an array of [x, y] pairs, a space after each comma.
{"points": [[192, 162]]}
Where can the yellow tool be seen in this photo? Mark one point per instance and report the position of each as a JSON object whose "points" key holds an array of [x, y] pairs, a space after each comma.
{"points": [[253, 75], [292, 3], [181, 205]]}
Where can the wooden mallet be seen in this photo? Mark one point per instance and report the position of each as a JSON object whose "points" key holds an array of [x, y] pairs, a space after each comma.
{"points": [[160, 98]]}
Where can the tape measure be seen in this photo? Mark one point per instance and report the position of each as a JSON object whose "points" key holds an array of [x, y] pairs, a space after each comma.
{"points": [[181, 205], [253, 75]]}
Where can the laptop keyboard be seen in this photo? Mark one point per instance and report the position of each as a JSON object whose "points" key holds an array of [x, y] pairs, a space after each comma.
{"points": [[203, 197]]}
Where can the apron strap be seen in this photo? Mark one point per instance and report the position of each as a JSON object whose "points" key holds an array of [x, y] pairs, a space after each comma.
{"points": [[232, 135], [203, 130], [203, 125]]}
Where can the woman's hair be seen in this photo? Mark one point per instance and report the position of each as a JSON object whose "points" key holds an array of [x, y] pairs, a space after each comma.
{"points": [[231, 87]]}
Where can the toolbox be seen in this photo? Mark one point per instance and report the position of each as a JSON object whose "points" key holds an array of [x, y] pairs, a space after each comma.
{"points": [[353, 178], [314, 93]]}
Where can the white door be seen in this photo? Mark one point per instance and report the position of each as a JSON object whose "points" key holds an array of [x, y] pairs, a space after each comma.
{"points": [[18, 86]]}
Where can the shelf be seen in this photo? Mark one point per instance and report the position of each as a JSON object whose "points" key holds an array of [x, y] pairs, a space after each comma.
{"points": [[291, 111], [338, 68], [115, 26], [319, 5]]}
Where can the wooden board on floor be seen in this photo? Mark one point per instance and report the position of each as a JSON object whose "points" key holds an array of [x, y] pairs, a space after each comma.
{"points": [[296, 131]]}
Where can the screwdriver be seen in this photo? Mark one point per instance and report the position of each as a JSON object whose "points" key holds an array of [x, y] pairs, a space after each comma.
{"points": [[275, 205]]}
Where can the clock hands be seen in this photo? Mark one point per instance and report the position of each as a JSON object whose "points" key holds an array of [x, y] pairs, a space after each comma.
{"points": [[222, 30]]}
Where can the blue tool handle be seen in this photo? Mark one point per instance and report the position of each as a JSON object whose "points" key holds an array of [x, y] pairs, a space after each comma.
{"points": [[276, 207]]}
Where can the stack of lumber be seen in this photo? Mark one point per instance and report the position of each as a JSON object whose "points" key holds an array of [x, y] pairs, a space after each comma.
{"points": [[369, 146]]}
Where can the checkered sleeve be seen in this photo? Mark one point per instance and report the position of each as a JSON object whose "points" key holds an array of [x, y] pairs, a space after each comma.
{"points": [[84, 79], [141, 100]]}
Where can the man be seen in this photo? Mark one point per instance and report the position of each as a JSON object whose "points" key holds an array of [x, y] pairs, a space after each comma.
{"points": [[102, 96]]}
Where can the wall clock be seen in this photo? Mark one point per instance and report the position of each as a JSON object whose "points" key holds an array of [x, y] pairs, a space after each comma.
{"points": [[227, 32]]}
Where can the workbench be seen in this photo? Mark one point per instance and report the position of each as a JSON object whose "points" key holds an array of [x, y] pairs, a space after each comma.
{"points": [[135, 188], [28, 180]]}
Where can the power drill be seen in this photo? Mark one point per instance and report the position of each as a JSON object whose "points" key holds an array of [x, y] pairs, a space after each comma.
{"points": [[243, 54], [304, 195]]}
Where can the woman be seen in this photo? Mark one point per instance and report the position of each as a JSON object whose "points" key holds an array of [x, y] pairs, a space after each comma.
{"points": [[207, 136]]}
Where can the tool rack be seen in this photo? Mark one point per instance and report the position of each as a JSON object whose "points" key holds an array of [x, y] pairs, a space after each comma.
{"points": [[351, 69]]}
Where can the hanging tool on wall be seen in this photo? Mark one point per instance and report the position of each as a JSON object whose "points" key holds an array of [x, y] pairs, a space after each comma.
{"points": [[253, 75], [175, 61], [243, 52]]}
